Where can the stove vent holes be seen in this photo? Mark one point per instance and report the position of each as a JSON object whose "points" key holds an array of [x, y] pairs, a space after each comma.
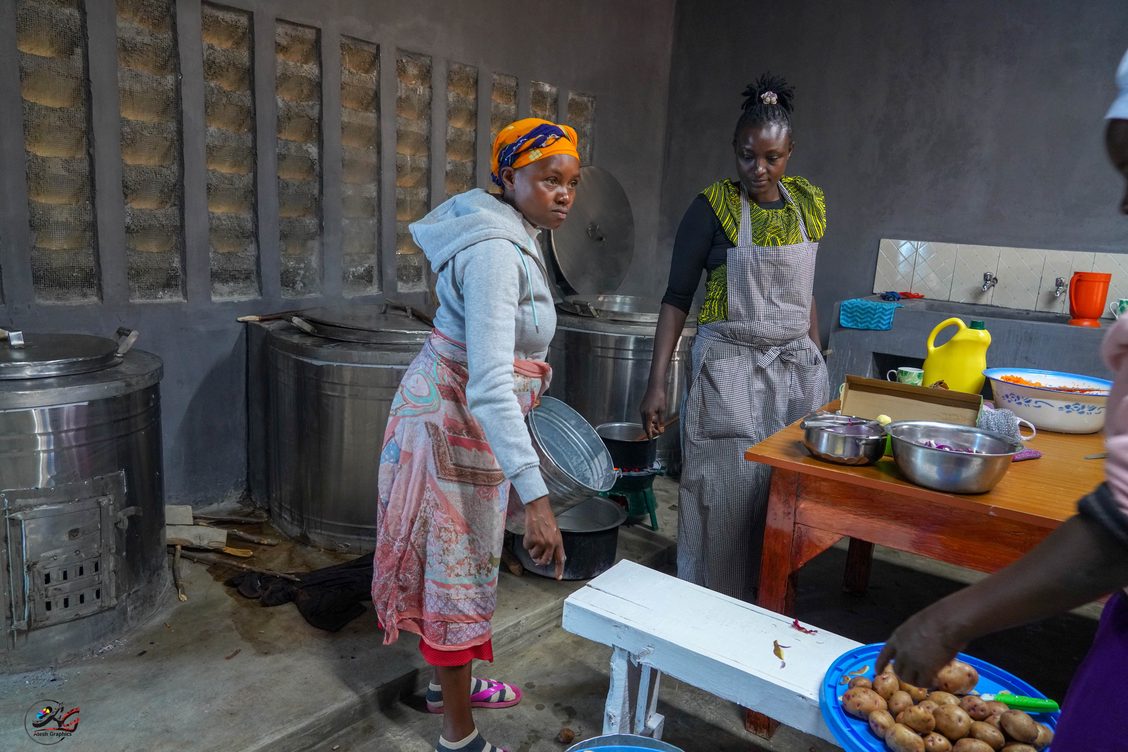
{"points": [[63, 574], [78, 600]]}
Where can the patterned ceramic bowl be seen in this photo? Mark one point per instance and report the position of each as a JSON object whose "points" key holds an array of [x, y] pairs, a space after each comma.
{"points": [[1064, 402]]}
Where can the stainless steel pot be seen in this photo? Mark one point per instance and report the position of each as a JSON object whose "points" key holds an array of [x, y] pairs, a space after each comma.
{"points": [[850, 441], [82, 551], [601, 363]]}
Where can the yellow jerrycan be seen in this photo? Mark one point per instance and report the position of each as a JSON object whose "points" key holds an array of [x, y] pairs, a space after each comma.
{"points": [[960, 361]]}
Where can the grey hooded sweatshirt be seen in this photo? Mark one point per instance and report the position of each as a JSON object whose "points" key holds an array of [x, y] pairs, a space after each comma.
{"points": [[493, 295]]}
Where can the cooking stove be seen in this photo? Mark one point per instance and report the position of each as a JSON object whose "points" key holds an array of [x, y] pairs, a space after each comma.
{"points": [[635, 489]]}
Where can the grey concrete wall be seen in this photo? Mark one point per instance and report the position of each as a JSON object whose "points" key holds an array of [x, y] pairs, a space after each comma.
{"points": [[618, 52], [957, 121]]}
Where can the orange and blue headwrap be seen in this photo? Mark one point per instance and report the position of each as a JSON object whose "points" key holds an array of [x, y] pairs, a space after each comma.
{"points": [[528, 140]]}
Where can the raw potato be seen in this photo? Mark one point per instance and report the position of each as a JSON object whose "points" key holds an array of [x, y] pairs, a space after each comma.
{"points": [[918, 719], [898, 702], [901, 738], [880, 722], [860, 681], [998, 707], [972, 745], [917, 693], [975, 707], [937, 743], [886, 684], [1045, 736], [1019, 748], [928, 705], [944, 698], [993, 719], [952, 721], [1019, 726], [957, 677], [987, 733], [861, 701]]}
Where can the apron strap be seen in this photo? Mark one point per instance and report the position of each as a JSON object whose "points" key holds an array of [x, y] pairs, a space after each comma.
{"points": [[744, 234]]}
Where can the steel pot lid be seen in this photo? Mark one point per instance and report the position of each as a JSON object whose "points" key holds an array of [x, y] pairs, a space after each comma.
{"points": [[380, 323], [46, 355], [617, 308], [595, 245]]}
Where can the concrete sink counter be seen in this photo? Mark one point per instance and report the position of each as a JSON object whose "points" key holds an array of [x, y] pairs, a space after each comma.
{"points": [[1019, 339]]}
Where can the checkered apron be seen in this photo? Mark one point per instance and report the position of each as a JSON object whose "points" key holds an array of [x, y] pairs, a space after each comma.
{"points": [[752, 375]]}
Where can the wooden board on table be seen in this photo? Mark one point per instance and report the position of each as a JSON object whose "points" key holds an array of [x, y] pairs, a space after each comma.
{"points": [[868, 398]]}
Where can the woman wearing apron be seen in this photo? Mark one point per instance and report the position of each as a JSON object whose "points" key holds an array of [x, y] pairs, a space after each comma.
{"points": [[456, 448], [756, 362]]}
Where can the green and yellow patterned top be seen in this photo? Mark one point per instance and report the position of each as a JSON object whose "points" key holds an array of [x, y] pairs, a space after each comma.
{"points": [[769, 227]]}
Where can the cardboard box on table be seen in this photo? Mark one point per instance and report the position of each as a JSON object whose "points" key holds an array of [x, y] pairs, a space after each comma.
{"points": [[868, 398]]}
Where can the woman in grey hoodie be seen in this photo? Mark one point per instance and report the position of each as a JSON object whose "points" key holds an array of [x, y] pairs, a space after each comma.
{"points": [[456, 447]]}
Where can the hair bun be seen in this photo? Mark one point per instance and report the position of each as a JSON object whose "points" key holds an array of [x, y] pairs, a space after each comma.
{"points": [[768, 91]]}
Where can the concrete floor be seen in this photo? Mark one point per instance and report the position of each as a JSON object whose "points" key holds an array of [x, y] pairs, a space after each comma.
{"points": [[221, 672]]}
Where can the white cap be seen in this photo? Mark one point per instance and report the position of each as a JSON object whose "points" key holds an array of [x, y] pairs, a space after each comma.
{"points": [[1119, 109]]}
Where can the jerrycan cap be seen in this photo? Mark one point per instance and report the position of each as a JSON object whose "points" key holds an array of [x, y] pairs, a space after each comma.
{"points": [[977, 325]]}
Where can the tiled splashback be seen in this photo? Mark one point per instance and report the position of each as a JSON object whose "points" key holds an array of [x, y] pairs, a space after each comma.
{"points": [[951, 271]]}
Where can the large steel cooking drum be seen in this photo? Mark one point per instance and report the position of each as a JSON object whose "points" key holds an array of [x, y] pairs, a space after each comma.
{"points": [[600, 359], [81, 495], [325, 412]]}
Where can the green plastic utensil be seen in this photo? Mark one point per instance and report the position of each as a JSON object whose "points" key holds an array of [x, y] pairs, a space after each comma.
{"points": [[1020, 702]]}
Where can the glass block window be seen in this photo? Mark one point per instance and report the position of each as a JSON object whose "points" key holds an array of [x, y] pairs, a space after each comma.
{"points": [[149, 95], [581, 116], [503, 103], [229, 112], [543, 101], [413, 165], [51, 46], [297, 51], [462, 128], [360, 147]]}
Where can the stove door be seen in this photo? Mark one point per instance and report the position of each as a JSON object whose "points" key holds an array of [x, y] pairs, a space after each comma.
{"points": [[61, 546]]}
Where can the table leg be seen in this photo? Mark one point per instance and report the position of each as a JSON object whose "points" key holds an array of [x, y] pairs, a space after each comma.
{"points": [[759, 724], [777, 573], [859, 561]]}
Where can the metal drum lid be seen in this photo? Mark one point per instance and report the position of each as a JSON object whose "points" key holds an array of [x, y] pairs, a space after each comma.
{"points": [[46, 355], [595, 245], [377, 324]]}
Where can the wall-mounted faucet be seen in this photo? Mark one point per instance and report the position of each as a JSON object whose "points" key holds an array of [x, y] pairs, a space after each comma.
{"points": [[1059, 287], [989, 281]]}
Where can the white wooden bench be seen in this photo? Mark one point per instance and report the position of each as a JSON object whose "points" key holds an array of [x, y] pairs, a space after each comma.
{"points": [[658, 624]]}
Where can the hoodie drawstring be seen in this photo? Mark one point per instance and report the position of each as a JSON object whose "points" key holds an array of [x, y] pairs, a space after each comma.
{"points": [[529, 282]]}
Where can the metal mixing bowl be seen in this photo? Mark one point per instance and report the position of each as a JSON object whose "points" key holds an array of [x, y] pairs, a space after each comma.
{"points": [[845, 441], [951, 471]]}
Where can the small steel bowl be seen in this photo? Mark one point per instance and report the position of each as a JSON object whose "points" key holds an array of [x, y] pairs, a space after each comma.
{"points": [[845, 442], [946, 470]]}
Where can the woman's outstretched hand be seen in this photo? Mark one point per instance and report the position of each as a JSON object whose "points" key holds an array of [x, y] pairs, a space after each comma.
{"points": [[542, 536], [653, 411], [921, 646]]}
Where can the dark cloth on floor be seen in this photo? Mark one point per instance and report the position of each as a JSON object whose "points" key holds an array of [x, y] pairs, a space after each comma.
{"points": [[327, 598]]}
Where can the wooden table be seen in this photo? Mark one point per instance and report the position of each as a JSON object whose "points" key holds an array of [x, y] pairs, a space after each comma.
{"points": [[813, 504]]}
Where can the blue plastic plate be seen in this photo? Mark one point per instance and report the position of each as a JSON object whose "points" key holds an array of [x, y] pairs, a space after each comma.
{"points": [[854, 734]]}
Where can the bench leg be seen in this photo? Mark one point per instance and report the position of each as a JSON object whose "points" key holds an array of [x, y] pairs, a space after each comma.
{"points": [[647, 722], [617, 713], [631, 679]]}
